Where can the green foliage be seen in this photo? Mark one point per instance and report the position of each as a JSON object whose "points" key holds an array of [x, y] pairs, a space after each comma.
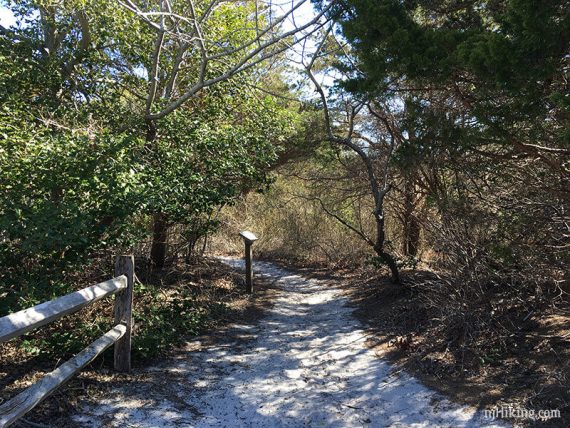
{"points": [[166, 322], [511, 44], [502, 60], [204, 160], [63, 196], [79, 176], [60, 342]]}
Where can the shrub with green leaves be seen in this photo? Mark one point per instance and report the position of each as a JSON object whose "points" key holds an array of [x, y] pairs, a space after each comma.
{"points": [[63, 197]]}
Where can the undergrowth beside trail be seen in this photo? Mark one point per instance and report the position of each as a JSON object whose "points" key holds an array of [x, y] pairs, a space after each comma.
{"points": [[170, 307]]}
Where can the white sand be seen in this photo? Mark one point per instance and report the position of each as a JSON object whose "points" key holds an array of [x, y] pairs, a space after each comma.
{"points": [[303, 365]]}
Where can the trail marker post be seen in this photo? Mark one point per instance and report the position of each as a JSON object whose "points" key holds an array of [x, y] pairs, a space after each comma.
{"points": [[248, 238]]}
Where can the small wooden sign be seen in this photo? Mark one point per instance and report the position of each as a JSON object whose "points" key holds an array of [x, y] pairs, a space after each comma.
{"points": [[248, 236]]}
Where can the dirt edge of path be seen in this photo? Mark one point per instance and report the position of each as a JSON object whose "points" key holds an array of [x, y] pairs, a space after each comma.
{"points": [[397, 326]]}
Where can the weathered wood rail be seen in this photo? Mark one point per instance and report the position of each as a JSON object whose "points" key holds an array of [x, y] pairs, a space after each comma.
{"points": [[19, 323]]}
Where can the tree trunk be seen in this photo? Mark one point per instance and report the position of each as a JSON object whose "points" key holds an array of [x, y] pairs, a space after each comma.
{"points": [[379, 248], [410, 222], [159, 241], [160, 223], [392, 265], [412, 237]]}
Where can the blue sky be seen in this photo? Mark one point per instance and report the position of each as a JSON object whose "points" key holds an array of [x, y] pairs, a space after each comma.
{"points": [[7, 19]]}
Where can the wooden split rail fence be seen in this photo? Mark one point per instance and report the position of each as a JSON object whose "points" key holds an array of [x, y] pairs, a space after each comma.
{"points": [[18, 323]]}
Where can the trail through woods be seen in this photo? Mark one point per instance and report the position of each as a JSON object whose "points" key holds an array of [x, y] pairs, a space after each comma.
{"points": [[304, 364]]}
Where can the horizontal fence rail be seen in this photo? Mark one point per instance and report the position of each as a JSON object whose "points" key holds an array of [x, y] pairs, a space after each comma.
{"points": [[25, 401], [21, 322]]}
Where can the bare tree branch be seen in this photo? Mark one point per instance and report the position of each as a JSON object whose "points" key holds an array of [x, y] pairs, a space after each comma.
{"points": [[267, 42]]}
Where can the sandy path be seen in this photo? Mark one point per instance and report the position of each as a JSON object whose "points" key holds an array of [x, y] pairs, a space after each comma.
{"points": [[303, 365]]}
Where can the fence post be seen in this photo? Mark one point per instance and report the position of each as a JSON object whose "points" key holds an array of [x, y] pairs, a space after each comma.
{"points": [[248, 269], [124, 265]]}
